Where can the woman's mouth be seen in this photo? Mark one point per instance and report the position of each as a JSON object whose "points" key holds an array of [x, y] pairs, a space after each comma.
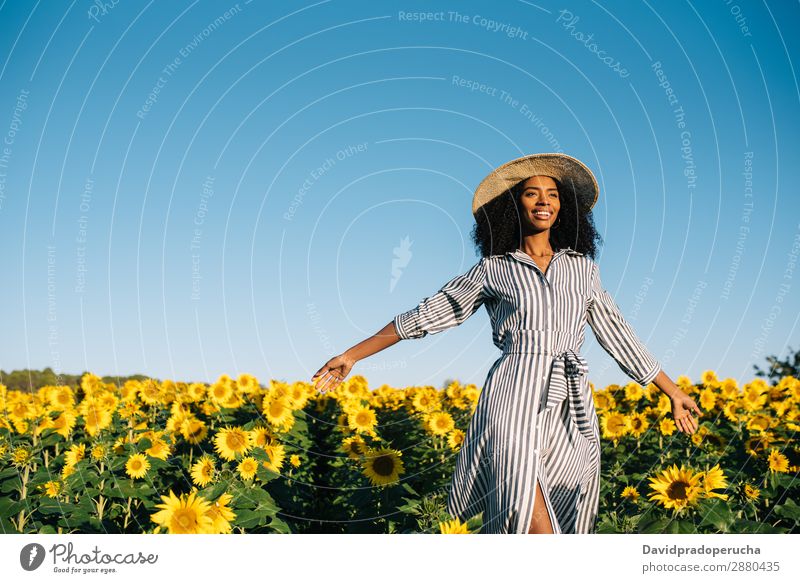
{"points": [[542, 214]]}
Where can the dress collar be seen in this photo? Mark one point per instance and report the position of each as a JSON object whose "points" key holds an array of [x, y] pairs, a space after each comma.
{"points": [[520, 255]]}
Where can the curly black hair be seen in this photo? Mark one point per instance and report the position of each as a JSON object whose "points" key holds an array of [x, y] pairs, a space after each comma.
{"points": [[498, 226]]}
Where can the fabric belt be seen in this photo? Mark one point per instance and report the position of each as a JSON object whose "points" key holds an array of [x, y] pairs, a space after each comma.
{"points": [[565, 383]]}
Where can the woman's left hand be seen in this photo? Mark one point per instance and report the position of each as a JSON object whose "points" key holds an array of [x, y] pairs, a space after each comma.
{"points": [[682, 407]]}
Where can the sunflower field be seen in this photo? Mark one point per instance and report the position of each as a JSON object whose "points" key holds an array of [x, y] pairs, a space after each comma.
{"points": [[235, 456]]}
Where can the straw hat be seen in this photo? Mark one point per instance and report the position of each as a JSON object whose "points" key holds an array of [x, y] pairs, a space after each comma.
{"points": [[570, 172]]}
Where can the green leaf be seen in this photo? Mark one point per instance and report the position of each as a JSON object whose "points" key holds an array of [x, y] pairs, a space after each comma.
{"points": [[279, 525], [751, 527], [51, 506], [657, 525], [248, 518], [9, 507], [788, 509], [214, 491], [716, 513]]}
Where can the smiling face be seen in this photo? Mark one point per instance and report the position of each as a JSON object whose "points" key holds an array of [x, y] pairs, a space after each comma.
{"points": [[539, 202]]}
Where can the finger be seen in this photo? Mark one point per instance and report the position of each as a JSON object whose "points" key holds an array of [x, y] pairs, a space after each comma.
{"points": [[324, 381], [319, 372], [330, 381], [699, 412]]}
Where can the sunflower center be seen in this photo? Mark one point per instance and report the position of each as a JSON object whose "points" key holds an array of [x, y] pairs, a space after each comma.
{"points": [[235, 441], [678, 490], [383, 465], [184, 519]]}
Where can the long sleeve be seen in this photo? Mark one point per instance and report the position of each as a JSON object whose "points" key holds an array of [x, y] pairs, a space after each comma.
{"points": [[617, 337], [456, 301]]}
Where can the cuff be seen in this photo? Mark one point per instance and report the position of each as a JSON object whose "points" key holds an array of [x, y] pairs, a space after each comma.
{"points": [[406, 325], [650, 376]]}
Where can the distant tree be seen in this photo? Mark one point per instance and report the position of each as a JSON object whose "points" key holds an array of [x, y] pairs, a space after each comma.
{"points": [[30, 380], [780, 368]]}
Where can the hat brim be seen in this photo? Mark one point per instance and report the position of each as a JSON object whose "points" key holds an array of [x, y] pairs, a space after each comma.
{"points": [[573, 175]]}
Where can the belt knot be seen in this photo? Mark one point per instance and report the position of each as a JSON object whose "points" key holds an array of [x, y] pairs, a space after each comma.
{"points": [[574, 363]]}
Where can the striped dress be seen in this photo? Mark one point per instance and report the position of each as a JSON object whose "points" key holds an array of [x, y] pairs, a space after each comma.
{"points": [[535, 417]]}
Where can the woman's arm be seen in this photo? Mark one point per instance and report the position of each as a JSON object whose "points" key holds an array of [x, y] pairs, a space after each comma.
{"points": [[336, 369], [619, 339], [455, 301]]}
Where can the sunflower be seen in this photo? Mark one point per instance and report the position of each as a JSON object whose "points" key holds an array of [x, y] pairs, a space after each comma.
{"points": [[184, 515], [751, 492], [455, 438], [354, 446], [633, 392], [194, 430], [196, 391], [96, 418], [667, 426], [440, 423], [758, 423], [698, 436], [247, 468], [424, 401], [708, 399], [277, 410], [631, 493], [137, 465], [382, 466], [276, 453], [758, 444], [221, 515], [676, 488], [51, 488], [261, 436], [62, 398], [99, 451], [714, 479], [664, 404], [730, 410], [220, 391], [753, 397], [64, 423], [74, 454], [614, 425], [362, 419], [709, 377], [21, 456], [778, 462], [234, 401], [203, 470], [603, 401], [247, 383], [637, 424], [232, 441], [454, 526], [159, 449]]}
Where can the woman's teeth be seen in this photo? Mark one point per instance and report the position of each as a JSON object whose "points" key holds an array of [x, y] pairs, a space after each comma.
{"points": [[542, 214]]}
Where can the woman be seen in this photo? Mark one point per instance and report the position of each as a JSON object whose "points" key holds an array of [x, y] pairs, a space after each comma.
{"points": [[530, 459]]}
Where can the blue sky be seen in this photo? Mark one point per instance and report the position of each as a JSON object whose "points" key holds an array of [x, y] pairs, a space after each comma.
{"points": [[196, 188]]}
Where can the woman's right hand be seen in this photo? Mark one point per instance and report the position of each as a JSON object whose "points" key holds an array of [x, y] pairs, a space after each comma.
{"points": [[332, 373]]}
